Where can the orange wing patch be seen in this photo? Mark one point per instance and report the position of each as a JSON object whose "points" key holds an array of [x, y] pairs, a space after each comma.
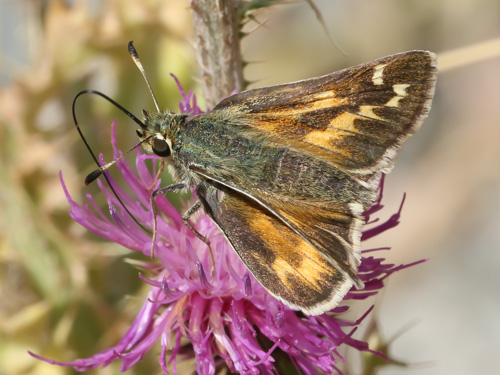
{"points": [[286, 265], [340, 127], [330, 229], [295, 259]]}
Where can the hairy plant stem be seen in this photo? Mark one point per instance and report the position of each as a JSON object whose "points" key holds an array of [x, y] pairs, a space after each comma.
{"points": [[216, 25]]}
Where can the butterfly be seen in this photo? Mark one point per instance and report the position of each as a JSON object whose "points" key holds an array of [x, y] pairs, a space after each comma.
{"points": [[287, 171]]}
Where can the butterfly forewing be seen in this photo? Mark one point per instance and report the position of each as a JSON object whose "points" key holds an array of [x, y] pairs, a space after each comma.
{"points": [[355, 118]]}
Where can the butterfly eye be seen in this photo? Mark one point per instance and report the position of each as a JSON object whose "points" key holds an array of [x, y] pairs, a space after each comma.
{"points": [[160, 147]]}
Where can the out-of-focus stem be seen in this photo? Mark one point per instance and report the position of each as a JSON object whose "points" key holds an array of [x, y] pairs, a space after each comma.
{"points": [[216, 25], [468, 55]]}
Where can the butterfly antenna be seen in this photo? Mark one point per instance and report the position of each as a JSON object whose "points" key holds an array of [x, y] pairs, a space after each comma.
{"points": [[99, 171], [92, 176], [135, 57]]}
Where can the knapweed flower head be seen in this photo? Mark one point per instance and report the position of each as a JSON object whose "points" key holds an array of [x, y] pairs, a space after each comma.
{"points": [[225, 319]]}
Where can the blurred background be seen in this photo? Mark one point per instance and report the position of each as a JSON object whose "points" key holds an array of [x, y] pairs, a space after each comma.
{"points": [[66, 294]]}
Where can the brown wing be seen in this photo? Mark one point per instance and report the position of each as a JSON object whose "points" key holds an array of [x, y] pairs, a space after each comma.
{"points": [[356, 118], [332, 228], [286, 265]]}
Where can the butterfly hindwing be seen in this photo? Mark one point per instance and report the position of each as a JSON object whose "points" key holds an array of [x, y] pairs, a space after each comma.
{"points": [[284, 263], [333, 228]]}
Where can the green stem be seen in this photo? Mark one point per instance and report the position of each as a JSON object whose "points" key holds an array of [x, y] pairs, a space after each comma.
{"points": [[216, 25]]}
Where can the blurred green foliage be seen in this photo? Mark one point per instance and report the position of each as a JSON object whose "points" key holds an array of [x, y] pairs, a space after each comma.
{"points": [[64, 290]]}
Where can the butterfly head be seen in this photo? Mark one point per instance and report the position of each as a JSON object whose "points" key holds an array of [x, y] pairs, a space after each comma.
{"points": [[158, 135]]}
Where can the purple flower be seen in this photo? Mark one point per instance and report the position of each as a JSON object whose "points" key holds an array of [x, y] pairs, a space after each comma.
{"points": [[225, 320]]}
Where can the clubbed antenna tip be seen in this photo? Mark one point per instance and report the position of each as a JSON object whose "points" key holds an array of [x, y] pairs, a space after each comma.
{"points": [[135, 57], [92, 176]]}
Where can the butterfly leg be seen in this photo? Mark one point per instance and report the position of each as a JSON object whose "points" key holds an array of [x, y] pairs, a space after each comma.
{"points": [[165, 190], [161, 168], [185, 218]]}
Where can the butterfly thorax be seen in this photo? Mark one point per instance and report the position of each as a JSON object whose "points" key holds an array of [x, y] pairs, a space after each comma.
{"points": [[223, 146]]}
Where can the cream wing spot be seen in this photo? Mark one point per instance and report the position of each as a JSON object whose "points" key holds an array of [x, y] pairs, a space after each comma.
{"points": [[367, 111], [378, 74], [400, 91], [328, 94]]}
